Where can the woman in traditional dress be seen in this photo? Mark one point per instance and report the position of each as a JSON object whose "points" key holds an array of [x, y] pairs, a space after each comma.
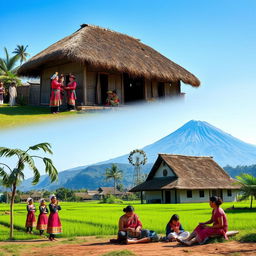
{"points": [[55, 99], [42, 218], [54, 225], [12, 94], [220, 225], [130, 229], [31, 218], [71, 93], [1, 93]]}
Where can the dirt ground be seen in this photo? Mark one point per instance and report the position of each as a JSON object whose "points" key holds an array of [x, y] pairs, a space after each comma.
{"points": [[99, 246]]}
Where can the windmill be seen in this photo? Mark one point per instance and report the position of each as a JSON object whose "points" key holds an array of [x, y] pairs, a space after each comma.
{"points": [[137, 158]]}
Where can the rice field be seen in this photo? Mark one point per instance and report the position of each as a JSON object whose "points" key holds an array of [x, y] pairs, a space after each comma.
{"points": [[93, 218]]}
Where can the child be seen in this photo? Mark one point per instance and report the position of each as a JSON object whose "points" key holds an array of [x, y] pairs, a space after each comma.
{"points": [[54, 224], [31, 218], [174, 230], [42, 218]]}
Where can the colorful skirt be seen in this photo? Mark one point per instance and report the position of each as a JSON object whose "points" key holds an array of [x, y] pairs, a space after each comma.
{"points": [[203, 233], [42, 221], [71, 97], [54, 224], [31, 220], [55, 99]]}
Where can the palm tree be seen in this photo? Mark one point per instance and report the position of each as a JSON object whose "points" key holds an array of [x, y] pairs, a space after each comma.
{"points": [[115, 174], [13, 177], [20, 51], [8, 63], [248, 186]]}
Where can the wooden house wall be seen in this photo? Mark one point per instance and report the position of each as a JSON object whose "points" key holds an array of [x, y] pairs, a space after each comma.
{"points": [[65, 69]]}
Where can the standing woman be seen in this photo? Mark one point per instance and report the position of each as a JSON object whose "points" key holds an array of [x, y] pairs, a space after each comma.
{"points": [[55, 99], [1, 93], [31, 218], [219, 225], [42, 218], [71, 93], [54, 225]]}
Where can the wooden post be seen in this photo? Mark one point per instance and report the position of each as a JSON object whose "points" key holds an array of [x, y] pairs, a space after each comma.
{"points": [[141, 197], [175, 196], [162, 196], [122, 88], [98, 90], [85, 87]]}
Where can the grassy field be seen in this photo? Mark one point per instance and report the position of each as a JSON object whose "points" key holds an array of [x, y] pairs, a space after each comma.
{"points": [[85, 219], [22, 115]]}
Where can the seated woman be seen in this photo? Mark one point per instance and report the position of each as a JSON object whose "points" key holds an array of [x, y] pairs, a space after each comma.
{"points": [[130, 228], [174, 229], [203, 232]]}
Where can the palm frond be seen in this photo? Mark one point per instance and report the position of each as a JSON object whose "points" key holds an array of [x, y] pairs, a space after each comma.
{"points": [[6, 54], [4, 177], [50, 169], [8, 152], [46, 147]]}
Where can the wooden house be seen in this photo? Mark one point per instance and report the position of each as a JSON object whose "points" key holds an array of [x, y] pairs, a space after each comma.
{"points": [[186, 179], [102, 60]]}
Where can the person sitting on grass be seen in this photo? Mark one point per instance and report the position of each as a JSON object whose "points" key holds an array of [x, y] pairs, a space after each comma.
{"points": [[130, 229], [174, 230], [203, 232], [31, 218]]}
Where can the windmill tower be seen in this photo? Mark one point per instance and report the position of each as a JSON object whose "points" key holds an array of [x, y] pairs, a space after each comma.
{"points": [[137, 158]]}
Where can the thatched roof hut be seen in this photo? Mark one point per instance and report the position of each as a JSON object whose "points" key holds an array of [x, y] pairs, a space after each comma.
{"points": [[109, 51], [188, 173]]}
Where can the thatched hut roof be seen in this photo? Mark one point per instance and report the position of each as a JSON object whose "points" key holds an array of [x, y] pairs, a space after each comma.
{"points": [[109, 50], [191, 172]]}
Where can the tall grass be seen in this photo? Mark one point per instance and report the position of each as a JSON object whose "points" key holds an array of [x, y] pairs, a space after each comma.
{"points": [[84, 219]]}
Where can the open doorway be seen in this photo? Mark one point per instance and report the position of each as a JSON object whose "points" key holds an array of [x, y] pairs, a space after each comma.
{"points": [[160, 89], [103, 88], [133, 89], [167, 197]]}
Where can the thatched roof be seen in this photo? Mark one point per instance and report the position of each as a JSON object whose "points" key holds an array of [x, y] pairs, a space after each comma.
{"points": [[190, 172], [109, 190], [109, 50]]}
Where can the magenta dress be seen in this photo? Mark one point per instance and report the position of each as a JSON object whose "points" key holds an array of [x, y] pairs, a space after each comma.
{"points": [[71, 93], [55, 99], [42, 218], [203, 233], [54, 224], [31, 218]]}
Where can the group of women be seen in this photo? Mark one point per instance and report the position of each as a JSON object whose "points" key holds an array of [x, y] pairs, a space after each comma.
{"points": [[51, 224], [131, 231], [58, 90]]}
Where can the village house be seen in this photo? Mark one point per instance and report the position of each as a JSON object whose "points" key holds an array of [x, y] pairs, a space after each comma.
{"points": [[106, 191], [186, 179], [102, 60]]}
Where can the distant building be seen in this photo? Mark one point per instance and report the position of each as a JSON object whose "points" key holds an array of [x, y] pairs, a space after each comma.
{"points": [[102, 60], [83, 196], [186, 179], [104, 191]]}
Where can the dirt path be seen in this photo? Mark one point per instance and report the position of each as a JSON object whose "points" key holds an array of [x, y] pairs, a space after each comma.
{"points": [[99, 246]]}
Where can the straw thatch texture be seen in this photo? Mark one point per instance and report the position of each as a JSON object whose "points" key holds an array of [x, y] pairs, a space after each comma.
{"points": [[191, 172], [109, 50]]}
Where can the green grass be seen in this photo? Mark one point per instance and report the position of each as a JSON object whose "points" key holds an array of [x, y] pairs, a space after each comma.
{"points": [[22, 115], [94, 219]]}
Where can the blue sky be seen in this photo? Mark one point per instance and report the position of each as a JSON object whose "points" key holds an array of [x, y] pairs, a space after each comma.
{"points": [[215, 40]]}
